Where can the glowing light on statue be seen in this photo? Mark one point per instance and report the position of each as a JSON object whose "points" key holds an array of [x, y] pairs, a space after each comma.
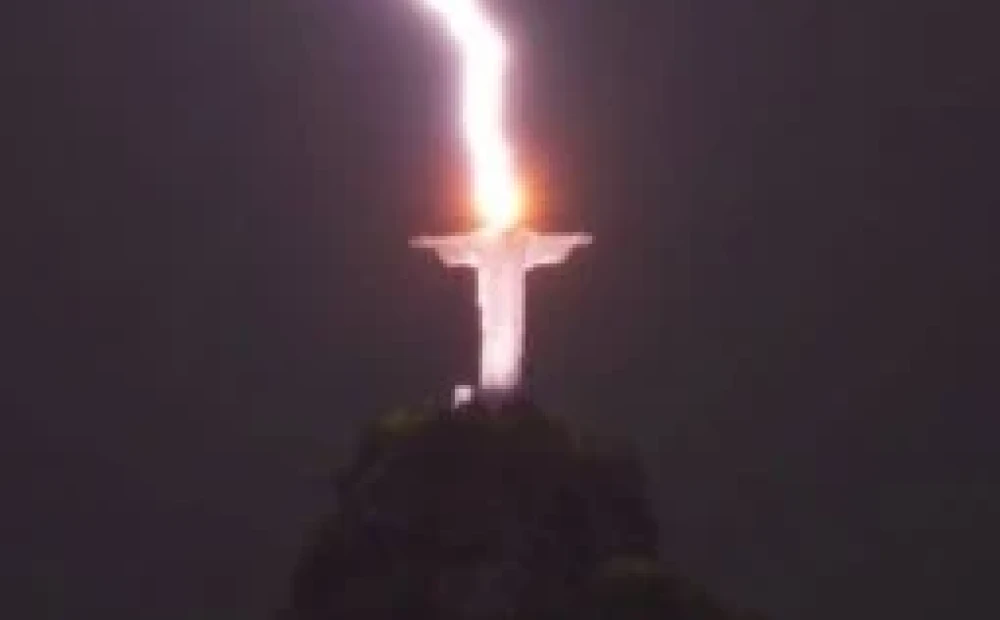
{"points": [[502, 252]]}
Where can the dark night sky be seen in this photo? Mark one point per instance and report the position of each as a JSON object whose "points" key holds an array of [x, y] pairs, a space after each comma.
{"points": [[790, 302]]}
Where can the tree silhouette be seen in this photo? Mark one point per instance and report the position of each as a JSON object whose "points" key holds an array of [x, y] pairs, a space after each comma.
{"points": [[462, 515]]}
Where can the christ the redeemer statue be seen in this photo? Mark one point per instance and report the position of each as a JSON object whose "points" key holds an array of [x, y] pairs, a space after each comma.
{"points": [[501, 259]]}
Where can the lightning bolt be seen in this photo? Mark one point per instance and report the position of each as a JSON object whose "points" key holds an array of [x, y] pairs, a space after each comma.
{"points": [[496, 191]]}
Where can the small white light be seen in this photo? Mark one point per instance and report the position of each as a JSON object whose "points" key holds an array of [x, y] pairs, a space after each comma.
{"points": [[463, 395]]}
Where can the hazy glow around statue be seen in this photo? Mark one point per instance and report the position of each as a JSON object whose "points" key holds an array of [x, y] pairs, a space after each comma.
{"points": [[501, 251]]}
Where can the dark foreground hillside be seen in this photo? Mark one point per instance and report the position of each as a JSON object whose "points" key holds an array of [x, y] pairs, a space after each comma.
{"points": [[462, 515]]}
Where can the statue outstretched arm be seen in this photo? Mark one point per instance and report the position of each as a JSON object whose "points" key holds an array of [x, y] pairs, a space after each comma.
{"points": [[453, 250], [544, 250]]}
